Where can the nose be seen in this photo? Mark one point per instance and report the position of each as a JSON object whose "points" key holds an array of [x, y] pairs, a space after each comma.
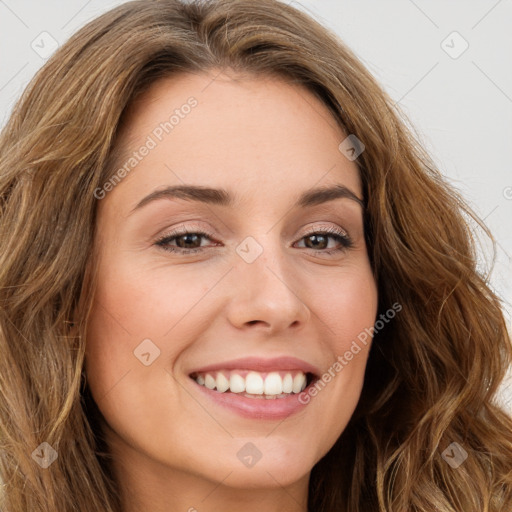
{"points": [[266, 296]]}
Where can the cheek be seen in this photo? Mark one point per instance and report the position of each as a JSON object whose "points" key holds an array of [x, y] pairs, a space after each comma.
{"points": [[347, 308], [148, 301], [346, 304], [133, 305]]}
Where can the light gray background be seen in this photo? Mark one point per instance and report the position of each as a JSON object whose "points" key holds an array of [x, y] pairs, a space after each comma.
{"points": [[459, 105]]}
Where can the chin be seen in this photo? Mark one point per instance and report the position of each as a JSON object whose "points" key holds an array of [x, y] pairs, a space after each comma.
{"points": [[275, 468]]}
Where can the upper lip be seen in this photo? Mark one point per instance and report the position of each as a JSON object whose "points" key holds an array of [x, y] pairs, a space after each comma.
{"points": [[261, 365]]}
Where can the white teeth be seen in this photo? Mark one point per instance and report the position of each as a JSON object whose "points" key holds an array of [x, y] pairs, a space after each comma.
{"points": [[255, 385], [299, 383], [236, 383], [222, 383], [209, 381], [288, 383], [273, 384]]}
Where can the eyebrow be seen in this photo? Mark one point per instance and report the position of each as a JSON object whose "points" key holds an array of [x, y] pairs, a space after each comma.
{"points": [[222, 197]]}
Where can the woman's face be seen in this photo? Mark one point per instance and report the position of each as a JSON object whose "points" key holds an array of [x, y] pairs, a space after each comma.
{"points": [[261, 300]]}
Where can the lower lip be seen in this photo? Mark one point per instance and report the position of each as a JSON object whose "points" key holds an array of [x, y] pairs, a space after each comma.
{"points": [[255, 408]]}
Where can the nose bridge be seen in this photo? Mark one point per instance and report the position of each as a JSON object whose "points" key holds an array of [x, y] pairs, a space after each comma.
{"points": [[266, 290]]}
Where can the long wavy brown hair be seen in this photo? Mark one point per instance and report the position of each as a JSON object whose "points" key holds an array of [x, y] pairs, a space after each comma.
{"points": [[433, 372]]}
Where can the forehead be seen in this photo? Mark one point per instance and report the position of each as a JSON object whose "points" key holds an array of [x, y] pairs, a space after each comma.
{"points": [[252, 134]]}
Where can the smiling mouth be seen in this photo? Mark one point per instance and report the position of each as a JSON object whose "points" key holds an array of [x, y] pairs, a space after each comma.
{"points": [[255, 384]]}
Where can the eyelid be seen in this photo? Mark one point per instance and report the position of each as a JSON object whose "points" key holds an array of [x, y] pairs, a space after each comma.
{"points": [[313, 228], [344, 239], [184, 230], [187, 228]]}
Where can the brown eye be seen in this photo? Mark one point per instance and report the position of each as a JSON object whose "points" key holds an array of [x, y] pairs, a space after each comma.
{"points": [[319, 240], [188, 241], [185, 241]]}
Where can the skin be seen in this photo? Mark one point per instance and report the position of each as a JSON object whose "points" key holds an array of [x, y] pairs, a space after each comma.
{"points": [[265, 141]]}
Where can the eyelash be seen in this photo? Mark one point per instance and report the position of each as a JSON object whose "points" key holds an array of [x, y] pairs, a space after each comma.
{"points": [[341, 236]]}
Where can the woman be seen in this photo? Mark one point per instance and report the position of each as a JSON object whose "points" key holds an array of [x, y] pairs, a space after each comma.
{"points": [[331, 347]]}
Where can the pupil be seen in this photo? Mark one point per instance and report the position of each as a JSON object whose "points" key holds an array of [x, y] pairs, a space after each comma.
{"points": [[317, 239], [187, 238]]}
